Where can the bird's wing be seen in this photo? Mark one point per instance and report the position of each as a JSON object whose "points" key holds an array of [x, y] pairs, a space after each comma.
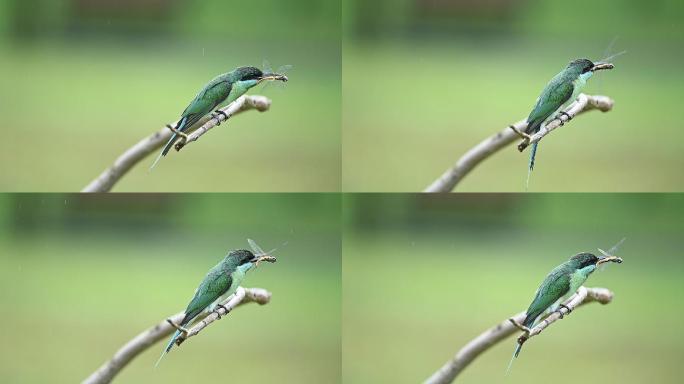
{"points": [[206, 100], [555, 286], [216, 283], [556, 93]]}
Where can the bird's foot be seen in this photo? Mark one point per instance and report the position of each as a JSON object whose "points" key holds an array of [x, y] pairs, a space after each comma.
{"points": [[560, 313], [219, 112], [178, 327], [520, 326], [563, 113], [218, 314], [184, 136], [520, 133]]}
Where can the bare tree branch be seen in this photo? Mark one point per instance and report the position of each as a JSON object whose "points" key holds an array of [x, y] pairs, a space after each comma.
{"points": [[259, 103], [151, 336], [452, 176], [584, 103], [452, 368], [241, 296], [132, 156]]}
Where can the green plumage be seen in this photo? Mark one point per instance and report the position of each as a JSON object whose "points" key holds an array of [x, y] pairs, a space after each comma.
{"points": [[558, 285], [556, 93], [554, 286], [221, 90], [561, 283], [220, 282], [213, 94], [559, 93], [216, 283]]}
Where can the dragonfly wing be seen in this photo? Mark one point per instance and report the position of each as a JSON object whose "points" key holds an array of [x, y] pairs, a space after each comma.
{"points": [[256, 248], [615, 247]]}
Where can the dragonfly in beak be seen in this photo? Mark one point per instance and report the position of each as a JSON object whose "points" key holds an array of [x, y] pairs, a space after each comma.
{"points": [[259, 254]]}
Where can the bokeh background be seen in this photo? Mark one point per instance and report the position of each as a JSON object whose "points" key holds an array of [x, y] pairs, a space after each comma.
{"points": [[82, 275], [83, 80], [423, 275], [426, 80]]}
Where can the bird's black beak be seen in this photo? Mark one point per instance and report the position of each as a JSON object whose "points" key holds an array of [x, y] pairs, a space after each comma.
{"points": [[273, 77], [607, 259], [600, 66]]}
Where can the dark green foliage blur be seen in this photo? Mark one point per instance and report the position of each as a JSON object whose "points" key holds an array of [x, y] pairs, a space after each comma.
{"points": [[81, 275], [425, 81], [659, 19], [83, 80], [423, 275], [172, 19]]}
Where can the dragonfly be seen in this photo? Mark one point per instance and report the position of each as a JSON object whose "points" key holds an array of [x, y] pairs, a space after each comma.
{"points": [[611, 252], [258, 252], [266, 68]]}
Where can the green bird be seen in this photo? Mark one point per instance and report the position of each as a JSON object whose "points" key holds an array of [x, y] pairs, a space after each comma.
{"points": [[221, 91], [219, 283], [562, 90], [561, 283]]}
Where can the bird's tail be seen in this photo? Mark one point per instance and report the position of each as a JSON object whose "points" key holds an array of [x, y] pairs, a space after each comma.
{"points": [[166, 149], [515, 355], [168, 347], [180, 126], [533, 154]]}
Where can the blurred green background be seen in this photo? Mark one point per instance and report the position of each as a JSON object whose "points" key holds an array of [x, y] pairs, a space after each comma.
{"points": [[82, 275], [426, 80], [83, 80], [423, 275]]}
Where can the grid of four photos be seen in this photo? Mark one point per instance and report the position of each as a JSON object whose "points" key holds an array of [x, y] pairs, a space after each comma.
{"points": [[341, 191]]}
